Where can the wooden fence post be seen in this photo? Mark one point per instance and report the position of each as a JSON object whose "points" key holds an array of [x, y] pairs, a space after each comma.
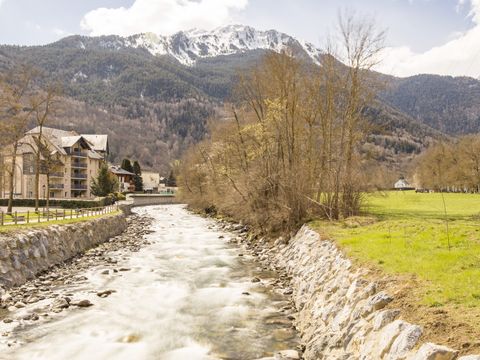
{"points": [[56, 214], [28, 216], [16, 217], [3, 218]]}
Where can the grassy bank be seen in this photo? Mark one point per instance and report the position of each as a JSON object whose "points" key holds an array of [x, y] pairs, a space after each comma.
{"points": [[406, 233], [10, 228]]}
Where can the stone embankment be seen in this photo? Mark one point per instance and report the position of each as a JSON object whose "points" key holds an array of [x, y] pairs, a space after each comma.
{"points": [[340, 313], [24, 254], [43, 291]]}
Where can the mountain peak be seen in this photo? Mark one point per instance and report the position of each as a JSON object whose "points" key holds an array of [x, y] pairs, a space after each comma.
{"points": [[194, 44], [189, 46]]}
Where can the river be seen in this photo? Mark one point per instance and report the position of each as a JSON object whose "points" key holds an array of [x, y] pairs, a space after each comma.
{"points": [[187, 295]]}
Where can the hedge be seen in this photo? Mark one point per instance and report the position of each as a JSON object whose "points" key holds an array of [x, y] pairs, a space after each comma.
{"points": [[65, 204]]}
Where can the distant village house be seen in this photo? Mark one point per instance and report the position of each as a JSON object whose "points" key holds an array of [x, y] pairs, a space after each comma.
{"points": [[403, 184], [124, 178], [151, 181]]}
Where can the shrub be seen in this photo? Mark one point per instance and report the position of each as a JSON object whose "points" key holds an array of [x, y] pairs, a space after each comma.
{"points": [[120, 196], [65, 204]]}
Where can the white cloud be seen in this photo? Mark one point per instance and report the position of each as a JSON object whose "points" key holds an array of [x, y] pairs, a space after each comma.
{"points": [[161, 16], [459, 56]]}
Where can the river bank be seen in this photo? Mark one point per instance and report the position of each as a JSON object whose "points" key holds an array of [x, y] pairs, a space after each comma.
{"points": [[170, 287], [42, 296], [26, 252], [342, 313]]}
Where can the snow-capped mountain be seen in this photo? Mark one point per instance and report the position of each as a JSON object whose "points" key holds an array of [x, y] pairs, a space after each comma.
{"points": [[189, 46]]}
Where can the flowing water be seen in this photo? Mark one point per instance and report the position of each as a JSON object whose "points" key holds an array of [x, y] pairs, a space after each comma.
{"points": [[188, 295]]}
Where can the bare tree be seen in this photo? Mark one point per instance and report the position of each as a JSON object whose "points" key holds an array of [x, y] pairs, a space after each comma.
{"points": [[50, 160], [290, 148], [45, 104], [15, 113]]}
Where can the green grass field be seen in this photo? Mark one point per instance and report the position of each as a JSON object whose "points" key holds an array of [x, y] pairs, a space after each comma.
{"points": [[406, 233]]}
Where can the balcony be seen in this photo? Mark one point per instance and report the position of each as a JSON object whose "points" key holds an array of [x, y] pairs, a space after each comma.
{"points": [[82, 154], [78, 187], [57, 175], [79, 165], [56, 186], [79, 176]]}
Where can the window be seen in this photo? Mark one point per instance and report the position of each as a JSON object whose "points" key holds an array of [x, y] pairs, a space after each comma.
{"points": [[52, 194]]}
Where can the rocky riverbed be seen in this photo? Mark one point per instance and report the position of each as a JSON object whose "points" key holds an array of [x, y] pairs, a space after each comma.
{"points": [[169, 287], [49, 293]]}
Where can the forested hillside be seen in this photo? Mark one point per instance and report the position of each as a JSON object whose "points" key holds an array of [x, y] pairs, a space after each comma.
{"points": [[153, 107], [451, 105]]}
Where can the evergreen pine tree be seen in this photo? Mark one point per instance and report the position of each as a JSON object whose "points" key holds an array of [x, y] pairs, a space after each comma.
{"points": [[138, 176], [172, 180], [105, 183], [127, 165]]}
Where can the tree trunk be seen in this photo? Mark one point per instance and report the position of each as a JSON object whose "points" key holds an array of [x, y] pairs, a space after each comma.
{"points": [[48, 192], [37, 172], [12, 178]]}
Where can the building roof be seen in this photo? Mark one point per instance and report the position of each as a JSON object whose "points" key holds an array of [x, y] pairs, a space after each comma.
{"points": [[119, 171], [94, 155], [61, 139], [69, 141], [47, 131], [99, 142], [54, 136], [402, 183]]}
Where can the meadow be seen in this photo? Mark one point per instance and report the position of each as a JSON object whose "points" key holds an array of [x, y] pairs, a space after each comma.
{"points": [[433, 237]]}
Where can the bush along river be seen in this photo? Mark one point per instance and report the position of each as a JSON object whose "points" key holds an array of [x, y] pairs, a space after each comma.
{"points": [[174, 285]]}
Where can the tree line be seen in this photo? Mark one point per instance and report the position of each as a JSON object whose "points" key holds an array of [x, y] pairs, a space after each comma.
{"points": [[451, 166]]}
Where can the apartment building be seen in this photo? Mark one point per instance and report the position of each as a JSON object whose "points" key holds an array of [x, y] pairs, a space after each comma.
{"points": [[70, 161]]}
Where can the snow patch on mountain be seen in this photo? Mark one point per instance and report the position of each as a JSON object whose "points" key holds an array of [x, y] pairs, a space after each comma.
{"points": [[189, 46]]}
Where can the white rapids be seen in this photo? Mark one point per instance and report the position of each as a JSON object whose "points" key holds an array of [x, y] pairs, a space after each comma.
{"points": [[187, 296]]}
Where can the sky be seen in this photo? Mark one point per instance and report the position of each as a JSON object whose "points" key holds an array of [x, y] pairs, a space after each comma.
{"points": [[423, 36]]}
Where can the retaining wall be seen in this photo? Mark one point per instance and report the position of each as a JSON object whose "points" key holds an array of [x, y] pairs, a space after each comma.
{"points": [[153, 199], [26, 253], [342, 315]]}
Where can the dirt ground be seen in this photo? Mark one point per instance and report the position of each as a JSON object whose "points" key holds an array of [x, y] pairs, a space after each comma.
{"points": [[450, 325]]}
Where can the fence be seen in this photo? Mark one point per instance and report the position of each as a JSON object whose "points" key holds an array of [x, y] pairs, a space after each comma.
{"points": [[31, 217]]}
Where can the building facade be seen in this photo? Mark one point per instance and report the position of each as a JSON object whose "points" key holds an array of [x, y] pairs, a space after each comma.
{"points": [[69, 162], [151, 181], [124, 178]]}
